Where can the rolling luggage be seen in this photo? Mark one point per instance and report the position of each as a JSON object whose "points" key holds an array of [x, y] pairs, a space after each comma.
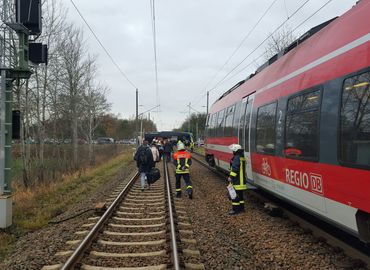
{"points": [[153, 176]]}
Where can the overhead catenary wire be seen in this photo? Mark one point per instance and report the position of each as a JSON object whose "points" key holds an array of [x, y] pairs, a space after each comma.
{"points": [[103, 47], [259, 45], [309, 17], [299, 25], [236, 49], [241, 43]]}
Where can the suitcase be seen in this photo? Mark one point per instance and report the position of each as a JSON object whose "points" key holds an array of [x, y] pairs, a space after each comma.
{"points": [[153, 176]]}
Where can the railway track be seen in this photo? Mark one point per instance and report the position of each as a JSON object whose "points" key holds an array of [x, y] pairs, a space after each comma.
{"points": [[321, 230], [139, 231]]}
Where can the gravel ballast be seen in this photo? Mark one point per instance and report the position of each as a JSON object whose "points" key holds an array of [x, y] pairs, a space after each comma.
{"points": [[36, 249], [254, 239]]}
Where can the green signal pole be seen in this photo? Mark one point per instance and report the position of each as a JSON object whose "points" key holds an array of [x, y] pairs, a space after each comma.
{"points": [[8, 135], [5, 151], [6, 106]]}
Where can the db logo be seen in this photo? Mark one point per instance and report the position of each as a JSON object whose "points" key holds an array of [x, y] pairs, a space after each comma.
{"points": [[266, 169], [316, 183]]}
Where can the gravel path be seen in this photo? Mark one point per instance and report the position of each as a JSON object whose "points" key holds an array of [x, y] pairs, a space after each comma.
{"points": [[252, 240], [37, 249]]}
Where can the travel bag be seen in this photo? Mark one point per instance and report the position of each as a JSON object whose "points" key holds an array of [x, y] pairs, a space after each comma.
{"points": [[153, 176]]}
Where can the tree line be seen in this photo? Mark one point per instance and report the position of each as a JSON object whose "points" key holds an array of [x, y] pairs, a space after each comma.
{"points": [[63, 101], [196, 124]]}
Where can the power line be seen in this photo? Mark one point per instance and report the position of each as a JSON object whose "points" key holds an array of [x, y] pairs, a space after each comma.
{"points": [[237, 48], [245, 67], [259, 45], [152, 9], [309, 17], [299, 25], [241, 43], [101, 45]]}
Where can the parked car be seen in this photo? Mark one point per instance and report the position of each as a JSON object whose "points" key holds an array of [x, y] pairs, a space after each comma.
{"points": [[105, 140]]}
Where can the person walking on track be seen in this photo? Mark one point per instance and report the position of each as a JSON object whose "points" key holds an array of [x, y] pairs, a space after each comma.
{"points": [[167, 148], [237, 178], [144, 162], [155, 152], [182, 161]]}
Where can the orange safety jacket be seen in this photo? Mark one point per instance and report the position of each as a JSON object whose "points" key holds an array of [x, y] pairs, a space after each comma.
{"points": [[182, 161]]}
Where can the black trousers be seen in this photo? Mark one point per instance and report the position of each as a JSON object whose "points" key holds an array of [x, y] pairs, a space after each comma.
{"points": [[186, 176], [238, 202], [168, 156]]}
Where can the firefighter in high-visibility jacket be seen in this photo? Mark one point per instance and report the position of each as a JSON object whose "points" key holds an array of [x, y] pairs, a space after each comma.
{"points": [[191, 146], [237, 178], [182, 161]]}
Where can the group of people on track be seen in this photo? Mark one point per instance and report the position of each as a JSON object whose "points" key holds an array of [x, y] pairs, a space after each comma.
{"points": [[146, 157]]}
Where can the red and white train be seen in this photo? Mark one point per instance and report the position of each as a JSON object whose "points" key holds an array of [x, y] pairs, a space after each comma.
{"points": [[303, 120]]}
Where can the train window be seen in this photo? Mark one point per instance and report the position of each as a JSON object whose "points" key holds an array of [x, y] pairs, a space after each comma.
{"points": [[355, 121], [301, 126], [236, 119], [209, 126], [242, 122], [265, 133], [229, 121], [208, 120], [248, 112], [213, 125], [220, 124]]}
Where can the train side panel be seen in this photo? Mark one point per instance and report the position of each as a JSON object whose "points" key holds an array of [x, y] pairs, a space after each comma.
{"points": [[300, 138]]}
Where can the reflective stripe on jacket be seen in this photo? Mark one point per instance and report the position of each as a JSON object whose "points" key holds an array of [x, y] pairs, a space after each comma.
{"points": [[237, 172], [182, 161]]}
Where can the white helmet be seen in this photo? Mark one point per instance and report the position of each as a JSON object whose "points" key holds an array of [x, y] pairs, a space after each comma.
{"points": [[180, 146], [235, 147]]}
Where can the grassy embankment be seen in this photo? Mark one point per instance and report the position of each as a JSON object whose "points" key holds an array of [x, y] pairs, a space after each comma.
{"points": [[34, 208]]}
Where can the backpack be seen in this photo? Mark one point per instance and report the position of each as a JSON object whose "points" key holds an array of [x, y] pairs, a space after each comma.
{"points": [[143, 157], [153, 176]]}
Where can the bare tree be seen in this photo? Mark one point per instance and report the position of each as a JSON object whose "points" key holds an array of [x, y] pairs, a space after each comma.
{"points": [[43, 81], [279, 41], [96, 105], [75, 67], [60, 99]]}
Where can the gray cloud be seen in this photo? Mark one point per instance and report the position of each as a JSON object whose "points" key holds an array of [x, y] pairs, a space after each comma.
{"points": [[194, 39]]}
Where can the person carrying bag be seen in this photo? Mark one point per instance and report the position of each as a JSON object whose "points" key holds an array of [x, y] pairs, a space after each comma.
{"points": [[237, 179]]}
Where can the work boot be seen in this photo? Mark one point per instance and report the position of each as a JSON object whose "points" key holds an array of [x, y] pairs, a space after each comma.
{"points": [[233, 212], [190, 195], [178, 195]]}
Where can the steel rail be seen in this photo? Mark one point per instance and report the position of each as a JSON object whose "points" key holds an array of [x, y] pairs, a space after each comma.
{"points": [[176, 262], [80, 250]]}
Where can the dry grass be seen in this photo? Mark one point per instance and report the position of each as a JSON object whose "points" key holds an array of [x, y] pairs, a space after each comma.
{"points": [[34, 208]]}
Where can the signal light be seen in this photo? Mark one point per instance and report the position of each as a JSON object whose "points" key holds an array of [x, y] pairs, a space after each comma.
{"points": [[38, 53], [28, 13]]}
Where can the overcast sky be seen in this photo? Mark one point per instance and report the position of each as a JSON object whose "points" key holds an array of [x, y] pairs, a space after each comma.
{"points": [[194, 40]]}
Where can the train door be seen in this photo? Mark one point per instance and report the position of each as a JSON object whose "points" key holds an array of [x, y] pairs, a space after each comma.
{"points": [[247, 130], [244, 131]]}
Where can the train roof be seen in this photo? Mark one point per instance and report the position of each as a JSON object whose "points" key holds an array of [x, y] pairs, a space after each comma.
{"points": [[167, 134], [298, 64], [278, 55]]}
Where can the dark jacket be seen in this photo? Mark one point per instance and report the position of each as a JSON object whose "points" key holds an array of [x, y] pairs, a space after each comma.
{"points": [[167, 147], [237, 171], [144, 150]]}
